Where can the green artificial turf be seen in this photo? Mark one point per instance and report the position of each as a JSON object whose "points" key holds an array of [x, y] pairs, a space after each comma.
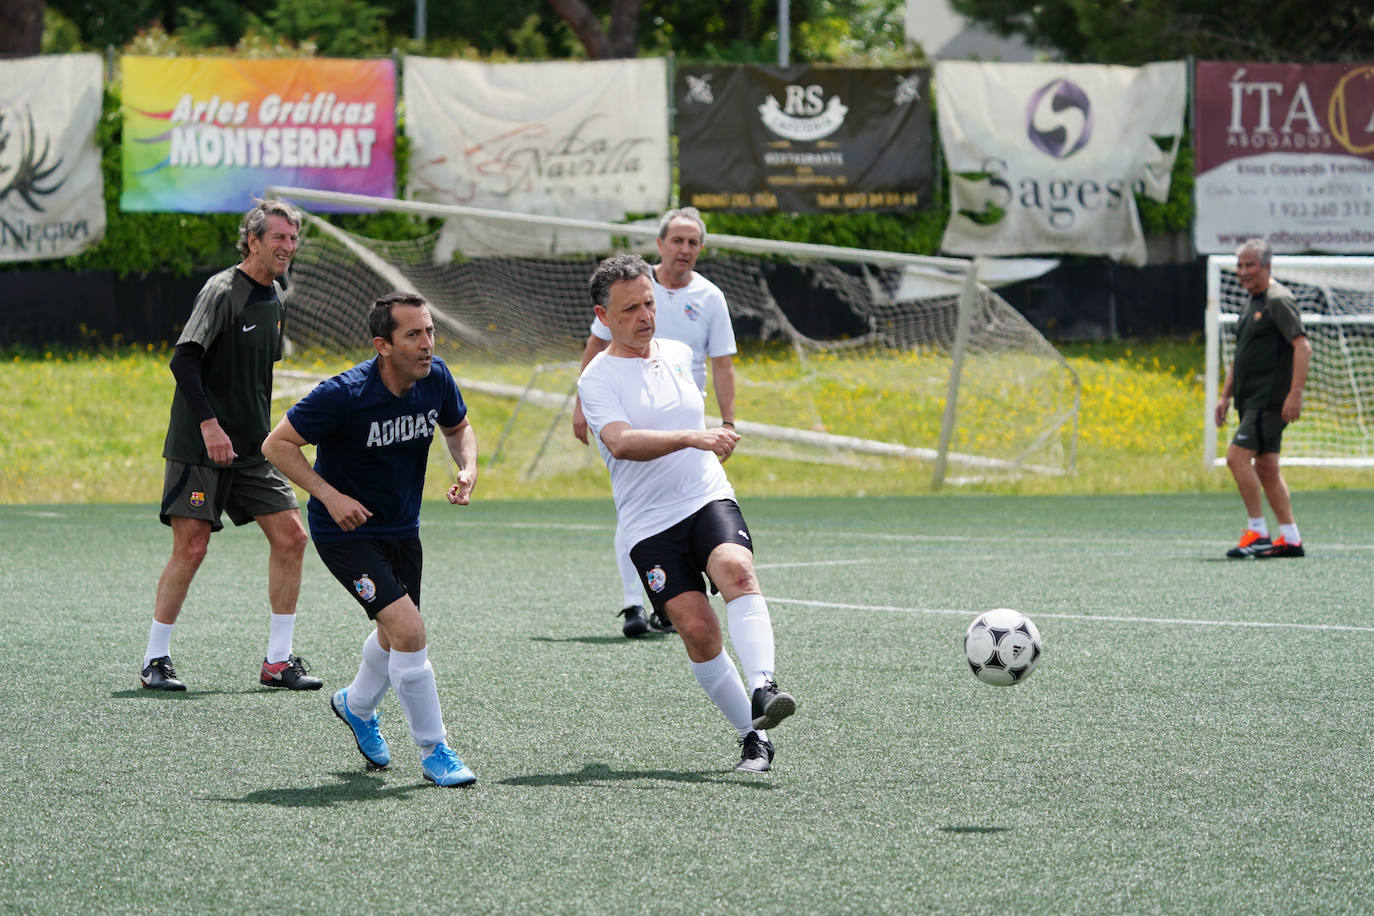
{"points": [[1195, 739]]}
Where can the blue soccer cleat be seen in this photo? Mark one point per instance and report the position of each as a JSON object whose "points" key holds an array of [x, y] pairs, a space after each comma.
{"points": [[366, 733], [443, 768]]}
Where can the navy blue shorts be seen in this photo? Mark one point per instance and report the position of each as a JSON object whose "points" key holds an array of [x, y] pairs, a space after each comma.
{"points": [[375, 572], [673, 561]]}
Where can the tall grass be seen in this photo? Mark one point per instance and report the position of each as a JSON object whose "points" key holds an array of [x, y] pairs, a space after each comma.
{"points": [[88, 427]]}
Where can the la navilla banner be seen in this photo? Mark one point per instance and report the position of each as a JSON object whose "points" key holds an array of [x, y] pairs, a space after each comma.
{"points": [[208, 135]]}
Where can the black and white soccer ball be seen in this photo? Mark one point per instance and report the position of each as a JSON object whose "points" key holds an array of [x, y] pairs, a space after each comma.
{"points": [[1002, 647]]}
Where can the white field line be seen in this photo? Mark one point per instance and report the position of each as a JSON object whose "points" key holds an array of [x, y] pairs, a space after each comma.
{"points": [[1109, 618]]}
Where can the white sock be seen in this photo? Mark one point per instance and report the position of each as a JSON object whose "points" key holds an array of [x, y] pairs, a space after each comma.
{"points": [[1259, 526], [1289, 533], [629, 576], [159, 641], [279, 639], [720, 679], [370, 683], [751, 635], [413, 677]]}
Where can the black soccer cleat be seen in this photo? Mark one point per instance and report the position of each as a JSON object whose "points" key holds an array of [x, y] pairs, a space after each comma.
{"points": [[160, 675], [1251, 545], [293, 674], [1282, 548], [659, 623], [635, 624], [756, 754], [771, 706]]}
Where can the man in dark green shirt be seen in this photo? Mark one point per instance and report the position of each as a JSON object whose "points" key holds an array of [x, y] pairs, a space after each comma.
{"points": [[221, 412], [1266, 379]]}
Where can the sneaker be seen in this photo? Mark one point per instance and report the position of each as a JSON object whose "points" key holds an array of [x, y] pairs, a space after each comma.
{"points": [[771, 706], [1282, 548], [1251, 544], [290, 674], [659, 623], [756, 754], [635, 624], [160, 675], [443, 768], [366, 733]]}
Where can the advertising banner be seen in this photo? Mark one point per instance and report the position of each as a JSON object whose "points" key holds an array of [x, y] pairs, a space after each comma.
{"points": [[804, 139], [1048, 158], [52, 195], [208, 135], [586, 139], [1285, 152]]}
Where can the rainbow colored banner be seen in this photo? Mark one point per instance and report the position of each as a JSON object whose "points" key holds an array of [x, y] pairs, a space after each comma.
{"points": [[208, 135]]}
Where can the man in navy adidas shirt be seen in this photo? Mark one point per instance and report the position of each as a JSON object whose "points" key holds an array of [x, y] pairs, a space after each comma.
{"points": [[372, 427]]}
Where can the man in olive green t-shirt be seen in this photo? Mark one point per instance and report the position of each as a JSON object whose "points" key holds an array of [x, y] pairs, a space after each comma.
{"points": [[1266, 378]]}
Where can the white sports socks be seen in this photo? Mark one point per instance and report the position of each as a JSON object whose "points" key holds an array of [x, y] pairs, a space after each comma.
{"points": [[279, 639], [751, 635], [159, 641], [370, 683], [720, 679], [1259, 526], [413, 677], [629, 576]]}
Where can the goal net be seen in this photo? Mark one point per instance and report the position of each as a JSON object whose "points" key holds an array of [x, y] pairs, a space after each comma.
{"points": [[846, 355], [1336, 298]]}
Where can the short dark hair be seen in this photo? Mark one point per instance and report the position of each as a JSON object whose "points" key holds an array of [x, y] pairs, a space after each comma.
{"points": [[613, 270], [254, 222], [381, 322], [1261, 249], [690, 213]]}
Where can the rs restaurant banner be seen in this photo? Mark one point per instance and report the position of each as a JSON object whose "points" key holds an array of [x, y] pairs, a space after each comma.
{"points": [[1285, 152], [52, 198], [1048, 158], [584, 139], [804, 139], [207, 135]]}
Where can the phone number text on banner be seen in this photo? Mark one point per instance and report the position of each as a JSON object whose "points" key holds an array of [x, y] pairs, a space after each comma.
{"points": [[804, 139], [1285, 152], [208, 135]]}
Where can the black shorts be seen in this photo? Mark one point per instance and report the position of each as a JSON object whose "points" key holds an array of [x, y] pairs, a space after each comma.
{"points": [[672, 561], [203, 492], [1260, 431], [375, 572]]}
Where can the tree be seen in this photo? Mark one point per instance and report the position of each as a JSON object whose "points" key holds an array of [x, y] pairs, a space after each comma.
{"points": [[1150, 30], [586, 25], [21, 27]]}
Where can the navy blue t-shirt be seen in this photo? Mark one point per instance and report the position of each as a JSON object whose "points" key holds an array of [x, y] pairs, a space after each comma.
{"points": [[373, 446]]}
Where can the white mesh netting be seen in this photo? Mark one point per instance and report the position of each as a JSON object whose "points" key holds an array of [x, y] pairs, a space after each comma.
{"points": [[842, 359], [1336, 298]]}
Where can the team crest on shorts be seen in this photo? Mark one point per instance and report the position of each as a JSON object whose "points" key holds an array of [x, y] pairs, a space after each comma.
{"points": [[365, 587], [657, 579], [197, 499]]}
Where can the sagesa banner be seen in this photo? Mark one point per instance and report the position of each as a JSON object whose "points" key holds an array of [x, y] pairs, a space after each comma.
{"points": [[1048, 158], [584, 139], [52, 197], [208, 135], [804, 139], [1285, 152]]}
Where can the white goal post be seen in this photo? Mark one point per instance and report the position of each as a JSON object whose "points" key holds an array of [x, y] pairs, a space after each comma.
{"points": [[1336, 298], [923, 337]]}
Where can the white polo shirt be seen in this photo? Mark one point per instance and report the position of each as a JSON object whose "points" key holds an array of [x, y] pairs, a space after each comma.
{"points": [[655, 393]]}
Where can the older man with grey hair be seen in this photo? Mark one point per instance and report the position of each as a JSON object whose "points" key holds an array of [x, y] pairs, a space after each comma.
{"points": [[1266, 378]]}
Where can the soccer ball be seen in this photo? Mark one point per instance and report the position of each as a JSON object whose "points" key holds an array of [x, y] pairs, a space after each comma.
{"points": [[1002, 647]]}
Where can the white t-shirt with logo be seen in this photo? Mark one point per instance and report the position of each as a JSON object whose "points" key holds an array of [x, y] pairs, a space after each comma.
{"points": [[655, 393], [696, 314]]}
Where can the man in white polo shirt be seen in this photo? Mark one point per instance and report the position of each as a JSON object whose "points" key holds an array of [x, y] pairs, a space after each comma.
{"points": [[675, 506], [691, 309]]}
